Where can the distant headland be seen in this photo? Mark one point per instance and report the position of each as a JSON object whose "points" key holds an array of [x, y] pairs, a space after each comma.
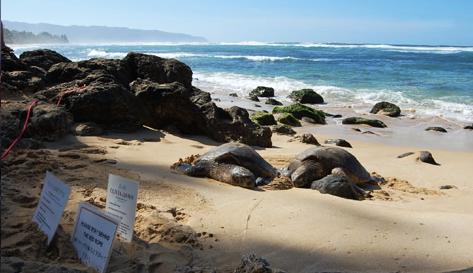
{"points": [[101, 34]]}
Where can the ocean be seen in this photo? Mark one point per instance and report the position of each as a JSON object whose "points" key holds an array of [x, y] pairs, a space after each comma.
{"points": [[425, 80]]}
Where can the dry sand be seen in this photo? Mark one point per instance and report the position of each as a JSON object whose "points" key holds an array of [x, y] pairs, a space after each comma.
{"points": [[409, 225]]}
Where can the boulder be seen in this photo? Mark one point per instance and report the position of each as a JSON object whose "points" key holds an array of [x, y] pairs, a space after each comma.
{"points": [[98, 98], [21, 81], [10, 62], [262, 91], [233, 95], [87, 129], [79, 71], [427, 157], [436, 129], [338, 142], [306, 96], [263, 118], [309, 139], [468, 127], [370, 122], [47, 122], [272, 101], [386, 108], [192, 111], [157, 69], [283, 129], [43, 58], [288, 119], [299, 110]]}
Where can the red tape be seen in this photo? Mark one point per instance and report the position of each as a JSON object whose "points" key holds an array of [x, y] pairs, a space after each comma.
{"points": [[25, 127]]}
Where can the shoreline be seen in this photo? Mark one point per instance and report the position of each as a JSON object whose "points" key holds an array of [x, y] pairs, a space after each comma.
{"points": [[405, 130]]}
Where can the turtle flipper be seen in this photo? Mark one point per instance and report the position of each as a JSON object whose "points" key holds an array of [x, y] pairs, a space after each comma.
{"points": [[199, 170]]}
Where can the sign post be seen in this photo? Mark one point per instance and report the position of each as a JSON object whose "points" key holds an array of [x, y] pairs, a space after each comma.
{"points": [[121, 203], [51, 205], [93, 236]]}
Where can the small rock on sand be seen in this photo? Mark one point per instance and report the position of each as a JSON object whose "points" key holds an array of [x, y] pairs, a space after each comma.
{"points": [[338, 142], [87, 129], [283, 129], [448, 187], [427, 157], [437, 129]]}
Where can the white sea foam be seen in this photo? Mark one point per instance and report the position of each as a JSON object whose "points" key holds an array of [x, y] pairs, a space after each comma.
{"points": [[397, 48], [177, 55], [223, 83], [95, 53]]}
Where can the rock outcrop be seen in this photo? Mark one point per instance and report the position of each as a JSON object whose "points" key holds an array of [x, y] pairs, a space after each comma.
{"points": [[126, 94], [43, 58], [192, 111]]}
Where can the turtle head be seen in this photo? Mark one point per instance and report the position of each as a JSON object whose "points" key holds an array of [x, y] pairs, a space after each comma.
{"points": [[183, 168], [243, 177]]}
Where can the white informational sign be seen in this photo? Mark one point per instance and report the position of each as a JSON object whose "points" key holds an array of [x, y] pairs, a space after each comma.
{"points": [[121, 203], [51, 205], [93, 236]]}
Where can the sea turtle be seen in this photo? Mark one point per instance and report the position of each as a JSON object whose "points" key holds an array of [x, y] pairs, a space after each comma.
{"points": [[318, 167], [234, 163]]}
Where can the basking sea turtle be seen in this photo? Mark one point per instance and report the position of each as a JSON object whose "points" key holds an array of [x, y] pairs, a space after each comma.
{"points": [[318, 167], [234, 163]]}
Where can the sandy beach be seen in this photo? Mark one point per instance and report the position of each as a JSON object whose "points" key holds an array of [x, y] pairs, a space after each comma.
{"points": [[410, 226]]}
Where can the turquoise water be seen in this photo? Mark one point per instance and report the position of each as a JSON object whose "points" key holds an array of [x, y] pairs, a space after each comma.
{"points": [[430, 80]]}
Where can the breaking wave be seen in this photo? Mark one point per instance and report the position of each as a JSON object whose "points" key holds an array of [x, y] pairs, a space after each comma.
{"points": [[222, 83], [95, 53]]}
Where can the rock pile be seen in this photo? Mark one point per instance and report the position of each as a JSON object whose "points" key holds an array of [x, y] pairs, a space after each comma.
{"points": [[121, 95]]}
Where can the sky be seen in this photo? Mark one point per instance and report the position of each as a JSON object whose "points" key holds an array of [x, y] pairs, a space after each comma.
{"points": [[429, 22]]}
